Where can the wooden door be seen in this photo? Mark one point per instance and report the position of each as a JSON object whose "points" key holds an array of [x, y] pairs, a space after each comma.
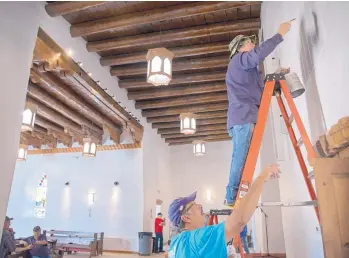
{"points": [[332, 186]]}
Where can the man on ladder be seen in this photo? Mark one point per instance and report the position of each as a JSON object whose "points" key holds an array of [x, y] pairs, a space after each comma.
{"points": [[245, 87]]}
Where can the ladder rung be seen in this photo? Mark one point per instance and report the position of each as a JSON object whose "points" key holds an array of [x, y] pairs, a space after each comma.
{"points": [[287, 204], [300, 142]]}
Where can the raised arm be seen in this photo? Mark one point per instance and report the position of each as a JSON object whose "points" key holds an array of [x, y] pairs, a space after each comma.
{"points": [[253, 58], [247, 206]]}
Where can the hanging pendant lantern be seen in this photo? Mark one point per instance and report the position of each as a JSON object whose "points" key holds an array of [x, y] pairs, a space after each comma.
{"points": [[199, 148], [188, 123], [22, 152], [90, 148], [159, 66], [28, 118]]}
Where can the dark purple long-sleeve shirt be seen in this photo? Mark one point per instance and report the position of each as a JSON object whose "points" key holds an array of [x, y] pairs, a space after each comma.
{"points": [[245, 84]]}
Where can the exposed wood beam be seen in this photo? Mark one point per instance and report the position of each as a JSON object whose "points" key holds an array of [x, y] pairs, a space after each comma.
{"points": [[27, 139], [151, 16], [207, 140], [55, 87], [62, 8], [184, 65], [179, 79], [204, 133], [47, 50], [42, 96], [163, 92], [174, 118], [47, 139], [52, 115], [188, 51], [184, 109], [175, 35], [200, 128], [194, 138], [198, 122], [184, 100], [48, 124]]}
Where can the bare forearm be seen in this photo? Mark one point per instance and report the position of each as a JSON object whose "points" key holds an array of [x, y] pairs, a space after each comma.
{"points": [[244, 210], [247, 205]]}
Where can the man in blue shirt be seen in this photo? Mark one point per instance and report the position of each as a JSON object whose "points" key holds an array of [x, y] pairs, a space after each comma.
{"points": [[39, 244], [199, 241], [244, 88]]}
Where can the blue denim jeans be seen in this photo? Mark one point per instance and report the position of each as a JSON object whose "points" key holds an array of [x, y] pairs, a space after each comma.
{"points": [[245, 244], [241, 137]]}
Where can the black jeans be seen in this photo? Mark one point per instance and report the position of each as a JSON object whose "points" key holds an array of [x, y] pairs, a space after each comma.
{"points": [[159, 246]]}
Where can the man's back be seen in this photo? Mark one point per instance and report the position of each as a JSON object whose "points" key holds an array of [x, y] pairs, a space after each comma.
{"points": [[205, 242], [244, 87]]}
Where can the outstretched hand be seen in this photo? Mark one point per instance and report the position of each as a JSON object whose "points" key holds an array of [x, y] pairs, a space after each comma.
{"points": [[270, 172], [284, 28]]}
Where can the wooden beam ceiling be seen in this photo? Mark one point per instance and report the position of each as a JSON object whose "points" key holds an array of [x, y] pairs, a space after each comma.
{"points": [[182, 65], [155, 15], [211, 121], [185, 109], [174, 118], [180, 101], [198, 33], [62, 8], [165, 92], [188, 51], [179, 79], [175, 35]]}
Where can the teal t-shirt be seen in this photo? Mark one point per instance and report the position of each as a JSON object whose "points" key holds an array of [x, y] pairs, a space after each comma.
{"points": [[206, 242]]}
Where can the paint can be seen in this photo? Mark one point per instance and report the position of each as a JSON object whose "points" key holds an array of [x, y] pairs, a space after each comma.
{"points": [[294, 84]]}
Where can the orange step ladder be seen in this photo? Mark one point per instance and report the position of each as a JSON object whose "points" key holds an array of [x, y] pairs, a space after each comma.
{"points": [[275, 84]]}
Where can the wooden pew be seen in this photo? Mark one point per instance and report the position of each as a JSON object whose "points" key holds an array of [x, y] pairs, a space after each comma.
{"points": [[74, 241]]}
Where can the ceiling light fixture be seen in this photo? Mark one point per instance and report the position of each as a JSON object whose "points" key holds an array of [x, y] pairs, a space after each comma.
{"points": [[90, 147], [188, 123], [199, 148], [22, 152], [28, 118]]}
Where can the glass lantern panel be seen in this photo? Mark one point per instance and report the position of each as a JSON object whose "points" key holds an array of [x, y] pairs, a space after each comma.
{"points": [[93, 148], [27, 117], [86, 147], [156, 64], [203, 147], [148, 68], [167, 66], [193, 123], [186, 123], [21, 153]]}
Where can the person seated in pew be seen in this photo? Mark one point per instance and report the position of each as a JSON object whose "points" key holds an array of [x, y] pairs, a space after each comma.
{"points": [[8, 243], [39, 244]]}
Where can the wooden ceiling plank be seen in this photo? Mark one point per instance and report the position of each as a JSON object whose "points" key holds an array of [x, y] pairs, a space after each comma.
{"points": [[201, 128], [183, 100], [198, 122], [177, 65], [199, 116], [223, 105], [207, 140], [163, 92], [203, 133], [61, 8], [46, 49], [199, 137], [155, 15], [67, 96], [179, 79], [189, 51], [175, 35], [43, 97]]}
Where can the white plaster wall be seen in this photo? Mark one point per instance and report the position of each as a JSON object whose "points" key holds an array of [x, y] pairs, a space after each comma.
{"points": [[315, 49], [117, 210], [16, 51]]}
